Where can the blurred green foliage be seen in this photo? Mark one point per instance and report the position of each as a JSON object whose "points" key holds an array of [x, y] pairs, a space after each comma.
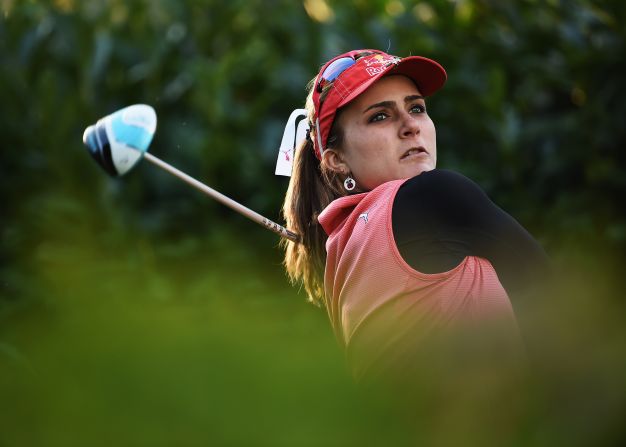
{"points": [[135, 311]]}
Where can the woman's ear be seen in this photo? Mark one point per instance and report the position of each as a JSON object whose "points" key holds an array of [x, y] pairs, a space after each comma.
{"points": [[334, 161]]}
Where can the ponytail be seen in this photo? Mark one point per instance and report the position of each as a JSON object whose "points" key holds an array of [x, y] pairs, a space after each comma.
{"points": [[311, 189]]}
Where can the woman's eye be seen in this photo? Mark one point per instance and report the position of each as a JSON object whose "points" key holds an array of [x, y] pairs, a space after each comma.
{"points": [[377, 117], [418, 108]]}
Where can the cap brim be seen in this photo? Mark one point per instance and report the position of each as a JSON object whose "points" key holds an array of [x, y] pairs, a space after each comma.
{"points": [[427, 75]]}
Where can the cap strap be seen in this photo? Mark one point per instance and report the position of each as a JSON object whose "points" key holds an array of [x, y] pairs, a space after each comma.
{"points": [[318, 139]]}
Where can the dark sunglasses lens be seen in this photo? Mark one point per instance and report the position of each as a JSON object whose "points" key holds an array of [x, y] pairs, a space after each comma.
{"points": [[337, 67]]}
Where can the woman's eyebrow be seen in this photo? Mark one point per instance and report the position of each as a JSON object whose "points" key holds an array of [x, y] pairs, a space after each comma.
{"points": [[392, 104], [413, 98]]}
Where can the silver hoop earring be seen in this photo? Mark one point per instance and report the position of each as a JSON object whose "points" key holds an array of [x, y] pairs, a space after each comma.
{"points": [[349, 183]]}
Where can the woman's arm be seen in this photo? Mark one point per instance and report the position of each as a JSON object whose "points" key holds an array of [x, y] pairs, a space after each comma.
{"points": [[440, 216]]}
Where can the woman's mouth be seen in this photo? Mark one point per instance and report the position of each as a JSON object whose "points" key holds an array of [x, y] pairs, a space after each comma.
{"points": [[414, 152]]}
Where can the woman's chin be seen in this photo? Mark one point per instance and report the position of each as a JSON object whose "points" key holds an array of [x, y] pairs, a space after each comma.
{"points": [[419, 168]]}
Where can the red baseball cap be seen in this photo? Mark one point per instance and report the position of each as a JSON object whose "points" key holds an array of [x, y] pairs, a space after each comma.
{"points": [[351, 75]]}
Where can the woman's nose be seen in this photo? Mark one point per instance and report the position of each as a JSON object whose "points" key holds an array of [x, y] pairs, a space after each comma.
{"points": [[409, 126]]}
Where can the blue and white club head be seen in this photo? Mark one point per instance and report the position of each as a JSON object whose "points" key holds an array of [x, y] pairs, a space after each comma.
{"points": [[119, 140]]}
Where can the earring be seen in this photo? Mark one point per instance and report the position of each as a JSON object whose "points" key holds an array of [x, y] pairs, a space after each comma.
{"points": [[349, 184]]}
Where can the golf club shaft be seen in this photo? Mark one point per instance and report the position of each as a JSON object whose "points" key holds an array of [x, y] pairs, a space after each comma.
{"points": [[273, 226]]}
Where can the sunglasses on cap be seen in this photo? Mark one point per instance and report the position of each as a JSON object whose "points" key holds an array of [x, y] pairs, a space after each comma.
{"points": [[337, 66]]}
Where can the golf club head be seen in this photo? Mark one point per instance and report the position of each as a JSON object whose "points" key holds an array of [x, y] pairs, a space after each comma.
{"points": [[118, 141]]}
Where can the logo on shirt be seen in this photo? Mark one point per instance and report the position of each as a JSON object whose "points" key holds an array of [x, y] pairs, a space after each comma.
{"points": [[363, 216]]}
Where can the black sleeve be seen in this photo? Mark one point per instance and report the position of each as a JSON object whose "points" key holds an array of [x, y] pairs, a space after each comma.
{"points": [[440, 217]]}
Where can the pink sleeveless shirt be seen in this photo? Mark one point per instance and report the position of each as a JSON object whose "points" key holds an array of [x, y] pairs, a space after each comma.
{"points": [[376, 301]]}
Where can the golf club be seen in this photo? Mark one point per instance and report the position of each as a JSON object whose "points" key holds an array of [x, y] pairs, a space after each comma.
{"points": [[120, 140]]}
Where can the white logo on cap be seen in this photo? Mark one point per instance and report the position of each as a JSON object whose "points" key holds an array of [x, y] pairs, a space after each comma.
{"points": [[379, 63]]}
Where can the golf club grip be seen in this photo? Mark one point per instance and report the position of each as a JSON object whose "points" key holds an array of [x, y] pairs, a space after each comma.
{"points": [[270, 225]]}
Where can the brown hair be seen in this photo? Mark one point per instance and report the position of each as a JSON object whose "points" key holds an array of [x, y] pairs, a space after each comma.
{"points": [[313, 186]]}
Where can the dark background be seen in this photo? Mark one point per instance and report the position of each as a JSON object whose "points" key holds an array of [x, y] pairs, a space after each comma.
{"points": [[136, 311]]}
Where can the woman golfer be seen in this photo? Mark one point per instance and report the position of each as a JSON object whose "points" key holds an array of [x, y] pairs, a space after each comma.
{"points": [[392, 247]]}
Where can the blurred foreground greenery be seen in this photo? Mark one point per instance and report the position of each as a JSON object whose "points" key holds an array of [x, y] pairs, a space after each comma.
{"points": [[135, 311], [144, 341]]}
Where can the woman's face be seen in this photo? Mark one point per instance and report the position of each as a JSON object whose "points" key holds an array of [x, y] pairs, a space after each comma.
{"points": [[387, 134]]}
